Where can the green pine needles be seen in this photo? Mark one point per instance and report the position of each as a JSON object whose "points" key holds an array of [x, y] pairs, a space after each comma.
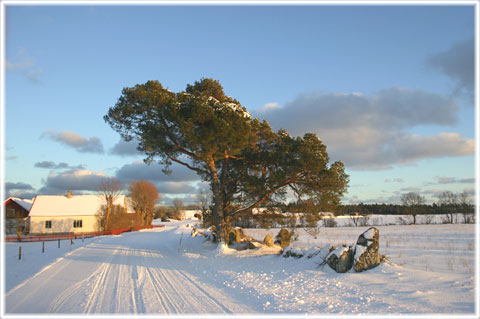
{"points": [[247, 164]]}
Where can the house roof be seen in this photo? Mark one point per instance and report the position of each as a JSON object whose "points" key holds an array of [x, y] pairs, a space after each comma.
{"points": [[77, 205], [25, 203]]}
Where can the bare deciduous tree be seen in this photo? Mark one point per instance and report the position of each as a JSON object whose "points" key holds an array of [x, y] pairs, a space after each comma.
{"points": [[177, 208], [204, 206], [413, 202], [449, 202], [466, 207], [110, 189]]}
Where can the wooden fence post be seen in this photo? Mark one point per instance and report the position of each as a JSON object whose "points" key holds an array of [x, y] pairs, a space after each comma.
{"points": [[20, 253], [180, 243]]}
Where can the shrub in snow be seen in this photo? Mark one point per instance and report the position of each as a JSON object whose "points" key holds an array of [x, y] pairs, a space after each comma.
{"points": [[330, 222], [403, 221], [268, 240], [211, 234], [311, 252], [367, 253], [292, 252], [321, 256]]}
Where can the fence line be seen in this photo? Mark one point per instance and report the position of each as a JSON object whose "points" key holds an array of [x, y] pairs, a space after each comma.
{"points": [[77, 235]]}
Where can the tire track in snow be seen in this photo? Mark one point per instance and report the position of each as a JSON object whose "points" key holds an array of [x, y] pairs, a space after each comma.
{"points": [[50, 271], [94, 295], [72, 292], [138, 284], [120, 275], [164, 300]]}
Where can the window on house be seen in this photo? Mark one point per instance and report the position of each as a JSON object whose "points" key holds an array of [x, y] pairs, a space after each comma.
{"points": [[77, 224], [11, 212], [48, 224]]}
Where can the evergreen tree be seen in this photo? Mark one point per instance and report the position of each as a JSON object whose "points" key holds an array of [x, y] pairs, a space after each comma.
{"points": [[243, 160]]}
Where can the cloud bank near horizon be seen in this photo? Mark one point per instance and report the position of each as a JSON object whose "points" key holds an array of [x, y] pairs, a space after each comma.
{"points": [[372, 132]]}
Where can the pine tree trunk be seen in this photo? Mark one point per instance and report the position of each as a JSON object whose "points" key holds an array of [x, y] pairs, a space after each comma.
{"points": [[217, 202], [217, 211]]}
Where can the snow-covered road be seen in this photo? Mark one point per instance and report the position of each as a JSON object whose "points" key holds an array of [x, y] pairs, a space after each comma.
{"points": [[166, 271], [132, 273]]}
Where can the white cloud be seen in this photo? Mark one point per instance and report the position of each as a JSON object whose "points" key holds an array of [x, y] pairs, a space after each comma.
{"points": [[78, 142], [458, 63], [175, 188], [123, 148], [153, 173], [25, 65], [79, 180], [372, 131], [53, 165], [394, 180], [451, 180], [269, 107]]}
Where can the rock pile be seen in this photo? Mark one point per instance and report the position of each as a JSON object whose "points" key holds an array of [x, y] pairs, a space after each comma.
{"points": [[361, 256], [364, 255]]}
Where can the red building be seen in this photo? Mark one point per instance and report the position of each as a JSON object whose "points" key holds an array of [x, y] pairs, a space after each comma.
{"points": [[16, 213]]}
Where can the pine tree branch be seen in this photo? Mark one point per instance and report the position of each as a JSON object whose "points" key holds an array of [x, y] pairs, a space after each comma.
{"points": [[263, 198], [198, 170]]}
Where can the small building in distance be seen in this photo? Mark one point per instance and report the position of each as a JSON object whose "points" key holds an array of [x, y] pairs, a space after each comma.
{"points": [[58, 214], [16, 213], [190, 214]]}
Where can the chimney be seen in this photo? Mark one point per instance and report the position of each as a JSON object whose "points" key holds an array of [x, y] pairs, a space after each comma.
{"points": [[69, 194]]}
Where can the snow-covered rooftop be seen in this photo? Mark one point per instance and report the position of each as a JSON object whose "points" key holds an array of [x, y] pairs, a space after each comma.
{"points": [[25, 203], [77, 205]]}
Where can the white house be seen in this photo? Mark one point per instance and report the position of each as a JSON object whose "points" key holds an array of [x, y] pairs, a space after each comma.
{"points": [[52, 214], [190, 213]]}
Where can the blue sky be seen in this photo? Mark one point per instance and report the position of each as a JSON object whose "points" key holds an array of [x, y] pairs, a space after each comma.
{"points": [[389, 89]]}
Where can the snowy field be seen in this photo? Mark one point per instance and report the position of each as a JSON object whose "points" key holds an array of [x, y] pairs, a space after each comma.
{"points": [[431, 270]]}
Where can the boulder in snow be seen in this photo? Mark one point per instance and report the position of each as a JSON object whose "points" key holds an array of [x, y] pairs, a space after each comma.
{"points": [[367, 252], [243, 245], [268, 240], [195, 232], [283, 238], [290, 251], [340, 259]]}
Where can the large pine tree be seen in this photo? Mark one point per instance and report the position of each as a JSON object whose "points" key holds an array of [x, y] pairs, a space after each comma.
{"points": [[246, 163]]}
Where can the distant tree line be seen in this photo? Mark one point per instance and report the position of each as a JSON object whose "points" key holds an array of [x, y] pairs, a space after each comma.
{"points": [[449, 204]]}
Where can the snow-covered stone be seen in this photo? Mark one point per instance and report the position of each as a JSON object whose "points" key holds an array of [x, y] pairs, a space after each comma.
{"points": [[311, 253], [320, 257], [367, 253], [290, 251], [340, 259]]}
